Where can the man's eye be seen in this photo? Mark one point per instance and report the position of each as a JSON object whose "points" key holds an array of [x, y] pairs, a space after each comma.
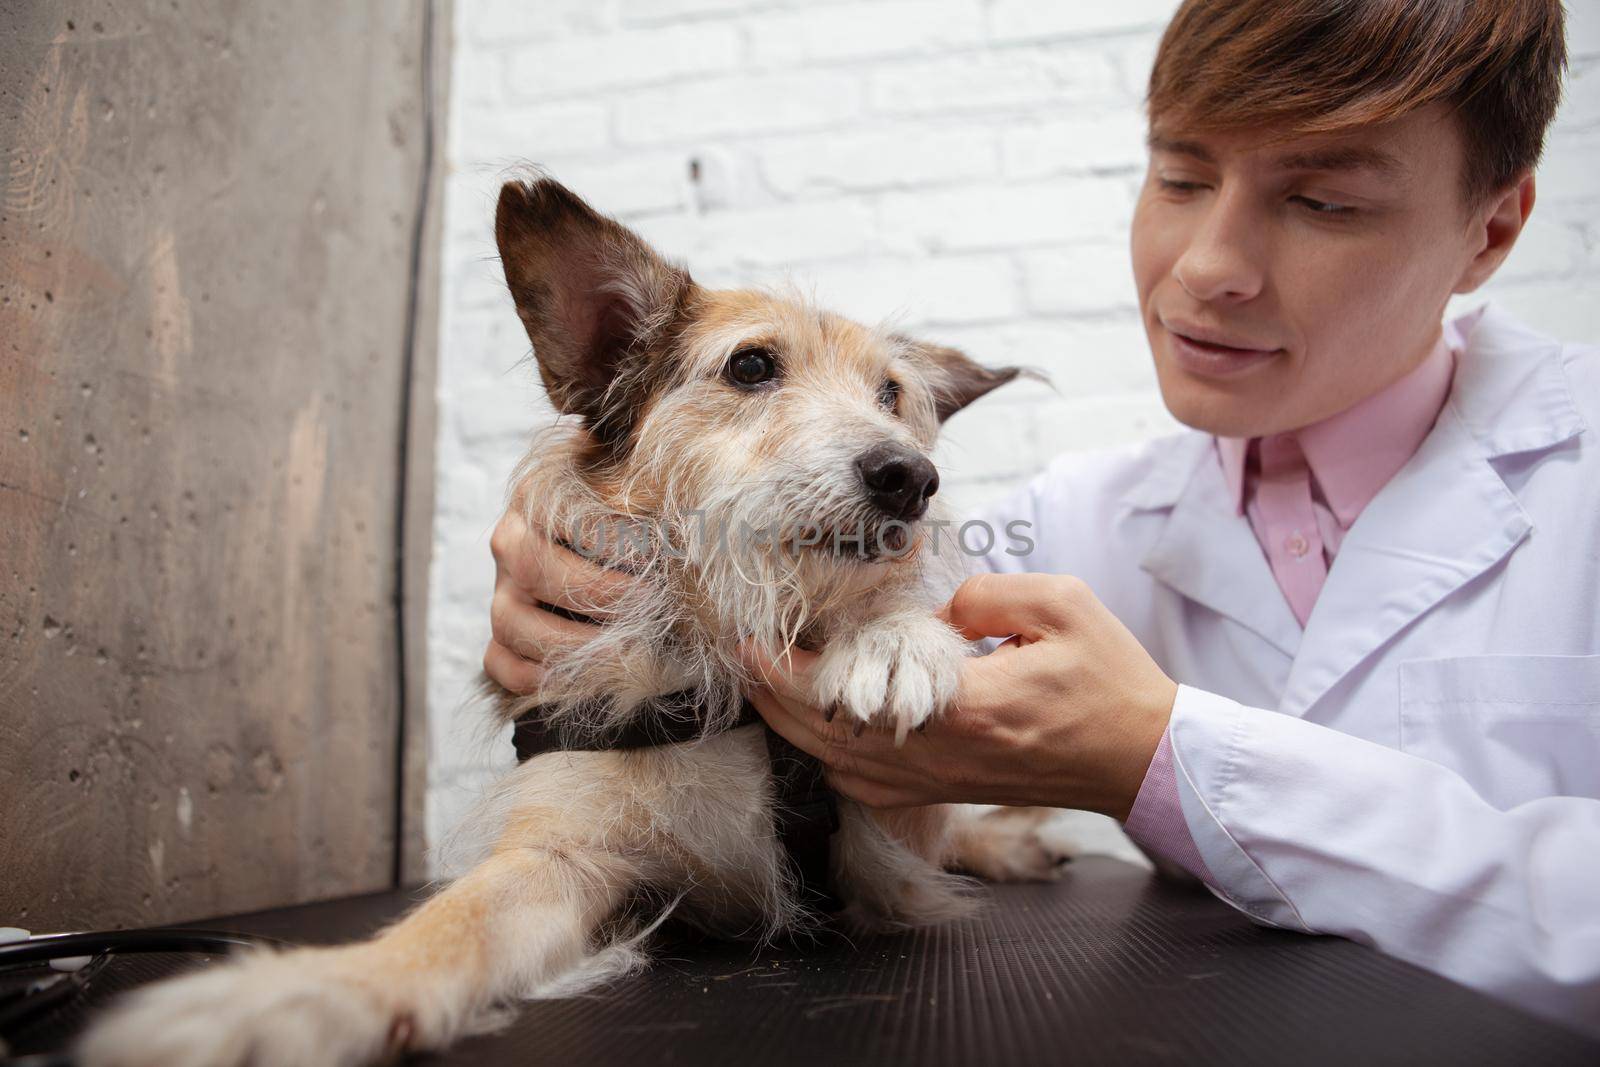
{"points": [[889, 393], [1174, 186], [1322, 207], [750, 367]]}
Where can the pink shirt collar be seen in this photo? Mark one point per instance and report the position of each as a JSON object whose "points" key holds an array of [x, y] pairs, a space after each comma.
{"points": [[1354, 453]]}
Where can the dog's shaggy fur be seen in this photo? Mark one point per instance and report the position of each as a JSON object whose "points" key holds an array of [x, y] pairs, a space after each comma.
{"points": [[693, 417]]}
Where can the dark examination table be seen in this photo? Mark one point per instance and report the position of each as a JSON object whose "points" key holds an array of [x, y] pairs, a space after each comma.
{"points": [[1108, 966]]}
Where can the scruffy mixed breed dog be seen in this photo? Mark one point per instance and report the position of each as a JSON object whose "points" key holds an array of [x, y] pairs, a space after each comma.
{"points": [[694, 418]]}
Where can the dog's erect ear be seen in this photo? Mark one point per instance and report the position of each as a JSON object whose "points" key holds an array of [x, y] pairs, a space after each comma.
{"points": [[958, 380], [588, 290]]}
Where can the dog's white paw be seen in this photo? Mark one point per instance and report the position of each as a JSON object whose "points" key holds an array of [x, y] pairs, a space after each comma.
{"points": [[901, 670], [294, 1009], [1011, 844]]}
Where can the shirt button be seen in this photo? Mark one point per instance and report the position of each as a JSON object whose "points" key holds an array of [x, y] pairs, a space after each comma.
{"points": [[1296, 544]]}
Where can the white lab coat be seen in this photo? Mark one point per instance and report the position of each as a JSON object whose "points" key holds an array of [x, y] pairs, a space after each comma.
{"points": [[1419, 769]]}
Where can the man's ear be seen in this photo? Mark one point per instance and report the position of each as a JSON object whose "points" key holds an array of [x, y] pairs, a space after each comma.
{"points": [[1498, 223], [590, 292], [958, 379]]}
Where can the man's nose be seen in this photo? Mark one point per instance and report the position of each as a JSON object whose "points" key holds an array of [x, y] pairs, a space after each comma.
{"points": [[898, 480], [1223, 260]]}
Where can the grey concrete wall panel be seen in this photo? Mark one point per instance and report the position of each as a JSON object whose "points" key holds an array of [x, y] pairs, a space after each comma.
{"points": [[206, 216]]}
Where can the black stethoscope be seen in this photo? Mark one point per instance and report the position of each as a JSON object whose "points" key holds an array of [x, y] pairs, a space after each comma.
{"points": [[80, 957]]}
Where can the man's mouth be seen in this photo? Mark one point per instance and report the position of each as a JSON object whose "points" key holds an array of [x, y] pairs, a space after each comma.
{"points": [[1214, 354]]}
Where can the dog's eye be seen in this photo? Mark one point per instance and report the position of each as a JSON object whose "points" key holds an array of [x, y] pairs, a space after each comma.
{"points": [[889, 393], [751, 366]]}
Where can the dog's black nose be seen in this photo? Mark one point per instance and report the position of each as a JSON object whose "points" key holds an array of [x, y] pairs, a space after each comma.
{"points": [[899, 480]]}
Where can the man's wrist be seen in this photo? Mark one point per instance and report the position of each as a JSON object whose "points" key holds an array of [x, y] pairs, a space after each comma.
{"points": [[1147, 726]]}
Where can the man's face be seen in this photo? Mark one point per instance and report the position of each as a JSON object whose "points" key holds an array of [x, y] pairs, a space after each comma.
{"points": [[1306, 276]]}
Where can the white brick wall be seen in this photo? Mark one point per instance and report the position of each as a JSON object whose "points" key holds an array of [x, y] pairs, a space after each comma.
{"points": [[931, 159]]}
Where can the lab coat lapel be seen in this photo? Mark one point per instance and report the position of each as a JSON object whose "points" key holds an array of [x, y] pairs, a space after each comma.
{"points": [[1442, 521], [1447, 516], [1207, 552]]}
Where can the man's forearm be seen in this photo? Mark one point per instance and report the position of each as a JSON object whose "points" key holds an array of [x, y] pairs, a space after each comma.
{"points": [[1304, 827]]}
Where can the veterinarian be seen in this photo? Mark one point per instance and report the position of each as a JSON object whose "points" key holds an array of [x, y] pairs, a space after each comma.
{"points": [[1336, 650]]}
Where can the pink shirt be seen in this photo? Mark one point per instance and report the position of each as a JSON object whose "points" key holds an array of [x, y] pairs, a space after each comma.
{"points": [[1301, 491]]}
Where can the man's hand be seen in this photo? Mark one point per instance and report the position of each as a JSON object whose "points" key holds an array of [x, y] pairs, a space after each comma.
{"points": [[1066, 713], [530, 570]]}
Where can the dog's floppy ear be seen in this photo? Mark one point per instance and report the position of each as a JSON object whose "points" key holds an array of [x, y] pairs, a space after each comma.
{"points": [[589, 291], [958, 379]]}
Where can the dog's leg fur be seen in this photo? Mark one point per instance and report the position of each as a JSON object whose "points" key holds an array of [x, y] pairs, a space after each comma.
{"points": [[887, 865], [527, 914], [1007, 844], [521, 918]]}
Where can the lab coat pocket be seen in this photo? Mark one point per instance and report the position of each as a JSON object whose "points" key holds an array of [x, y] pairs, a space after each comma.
{"points": [[1515, 727]]}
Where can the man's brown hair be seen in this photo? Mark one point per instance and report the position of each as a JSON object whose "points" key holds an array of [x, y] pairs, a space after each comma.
{"points": [[1328, 66]]}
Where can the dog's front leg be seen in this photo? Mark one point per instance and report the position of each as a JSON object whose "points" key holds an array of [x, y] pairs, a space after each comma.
{"points": [[518, 919], [904, 666]]}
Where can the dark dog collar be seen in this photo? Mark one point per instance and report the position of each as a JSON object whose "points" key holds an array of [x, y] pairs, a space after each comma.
{"points": [[805, 813]]}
